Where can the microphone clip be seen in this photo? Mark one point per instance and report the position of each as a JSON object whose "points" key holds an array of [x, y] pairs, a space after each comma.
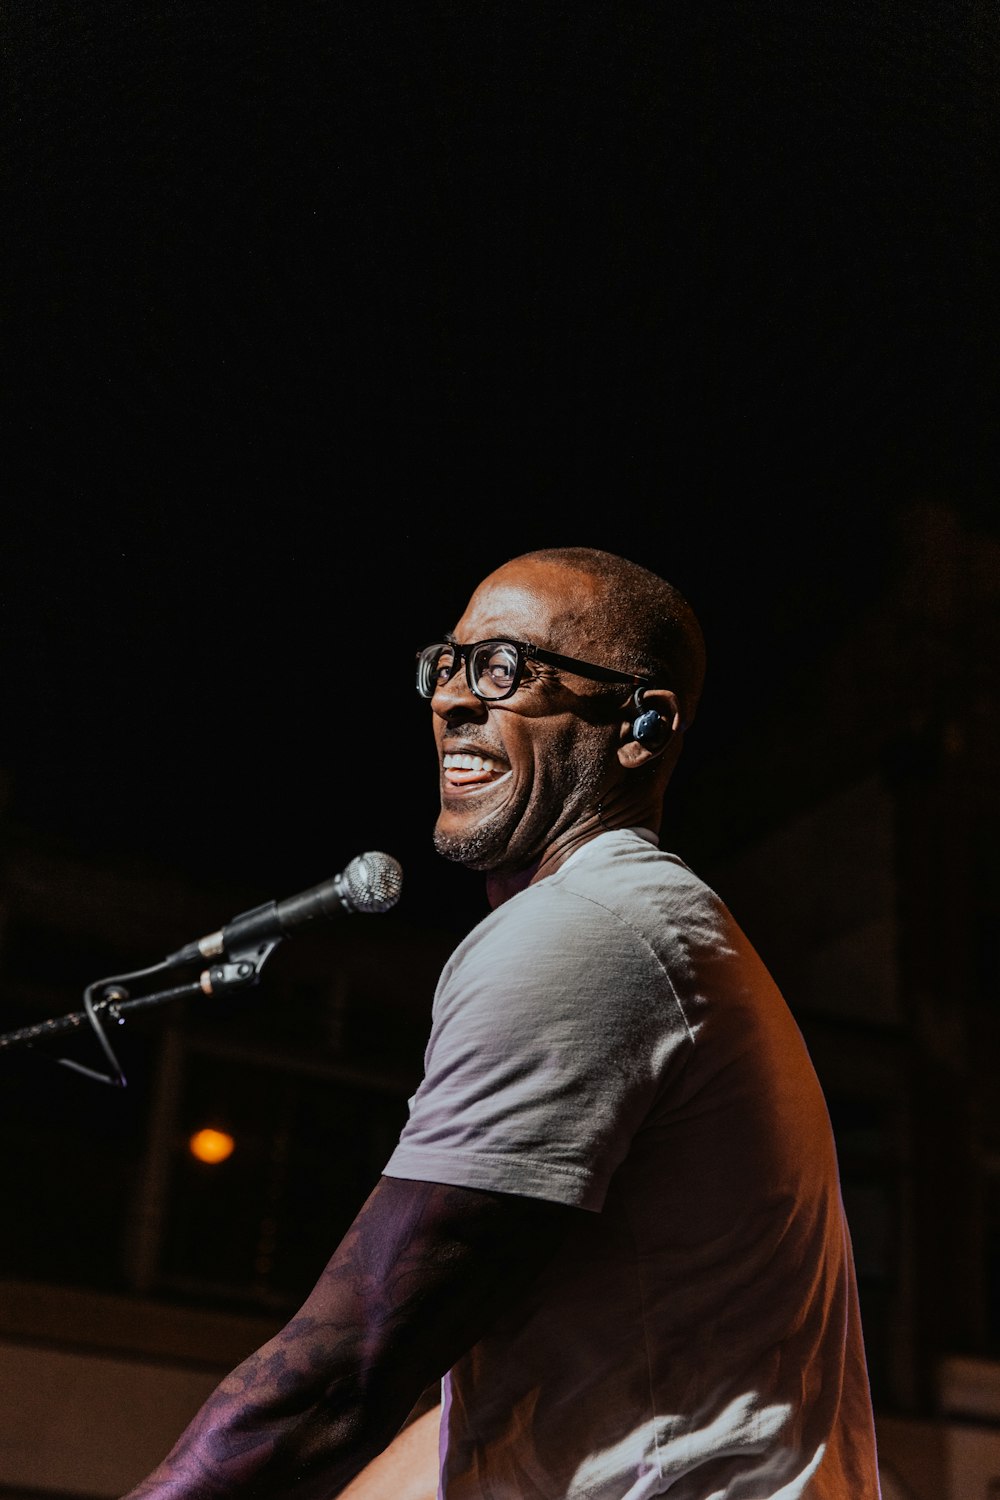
{"points": [[243, 968]]}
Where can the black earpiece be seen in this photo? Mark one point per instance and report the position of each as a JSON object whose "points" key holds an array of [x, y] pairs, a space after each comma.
{"points": [[649, 729]]}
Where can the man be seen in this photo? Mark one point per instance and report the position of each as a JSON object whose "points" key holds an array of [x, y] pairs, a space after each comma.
{"points": [[612, 1222]]}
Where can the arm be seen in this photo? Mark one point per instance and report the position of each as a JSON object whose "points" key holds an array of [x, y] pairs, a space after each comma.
{"points": [[419, 1276]]}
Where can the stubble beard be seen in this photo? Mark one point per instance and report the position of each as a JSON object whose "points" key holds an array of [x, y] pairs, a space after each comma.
{"points": [[476, 849], [491, 845]]}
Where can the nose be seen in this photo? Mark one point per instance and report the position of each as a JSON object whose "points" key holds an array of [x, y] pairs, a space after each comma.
{"points": [[455, 702]]}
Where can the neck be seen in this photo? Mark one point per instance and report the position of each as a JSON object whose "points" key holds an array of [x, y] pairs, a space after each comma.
{"points": [[500, 887], [502, 884], [614, 811]]}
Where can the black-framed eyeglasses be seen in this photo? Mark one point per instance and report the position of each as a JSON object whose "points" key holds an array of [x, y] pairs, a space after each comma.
{"points": [[494, 668]]}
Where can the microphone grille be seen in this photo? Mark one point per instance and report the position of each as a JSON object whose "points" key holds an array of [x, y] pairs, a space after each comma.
{"points": [[372, 882]]}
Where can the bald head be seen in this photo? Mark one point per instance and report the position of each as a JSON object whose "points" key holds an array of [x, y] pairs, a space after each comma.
{"points": [[637, 620]]}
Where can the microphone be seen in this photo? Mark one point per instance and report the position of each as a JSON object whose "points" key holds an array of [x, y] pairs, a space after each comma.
{"points": [[370, 883]]}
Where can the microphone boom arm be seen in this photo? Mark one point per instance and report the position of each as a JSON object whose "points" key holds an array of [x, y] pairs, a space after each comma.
{"points": [[370, 883], [114, 1000]]}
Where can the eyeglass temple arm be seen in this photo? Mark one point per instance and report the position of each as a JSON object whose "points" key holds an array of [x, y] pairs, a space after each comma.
{"points": [[572, 663]]}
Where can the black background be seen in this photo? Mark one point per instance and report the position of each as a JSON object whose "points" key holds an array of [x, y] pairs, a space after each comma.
{"points": [[315, 313]]}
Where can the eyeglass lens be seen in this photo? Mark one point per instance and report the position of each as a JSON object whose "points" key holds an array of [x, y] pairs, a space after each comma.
{"points": [[493, 668]]}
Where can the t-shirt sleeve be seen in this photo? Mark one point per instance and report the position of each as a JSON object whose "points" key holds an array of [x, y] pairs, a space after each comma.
{"points": [[554, 1024]]}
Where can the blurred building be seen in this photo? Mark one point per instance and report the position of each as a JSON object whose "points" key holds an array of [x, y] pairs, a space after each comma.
{"points": [[856, 836]]}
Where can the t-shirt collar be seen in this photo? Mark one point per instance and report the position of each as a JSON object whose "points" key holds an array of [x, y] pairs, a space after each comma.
{"points": [[644, 833]]}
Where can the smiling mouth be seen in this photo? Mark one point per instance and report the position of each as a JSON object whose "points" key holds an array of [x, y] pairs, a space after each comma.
{"points": [[472, 770]]}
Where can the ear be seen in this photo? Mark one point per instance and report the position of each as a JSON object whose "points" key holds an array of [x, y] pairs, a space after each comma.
{"points": [[654, 717]]}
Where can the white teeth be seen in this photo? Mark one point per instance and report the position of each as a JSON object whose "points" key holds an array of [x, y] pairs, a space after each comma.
{"points": [[467, 763]]}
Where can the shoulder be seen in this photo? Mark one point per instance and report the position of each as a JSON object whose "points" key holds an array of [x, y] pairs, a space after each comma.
{"points": [[623, 885], [609, 924]]}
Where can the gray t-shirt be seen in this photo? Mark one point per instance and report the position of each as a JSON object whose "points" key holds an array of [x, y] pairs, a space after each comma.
{"points": [[608, 1038]]}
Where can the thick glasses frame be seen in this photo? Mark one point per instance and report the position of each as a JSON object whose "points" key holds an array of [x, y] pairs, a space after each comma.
{"points": [[525, 651]]}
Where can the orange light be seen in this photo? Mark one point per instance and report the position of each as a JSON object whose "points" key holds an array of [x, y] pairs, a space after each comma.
{"points": [[211, 1145]]}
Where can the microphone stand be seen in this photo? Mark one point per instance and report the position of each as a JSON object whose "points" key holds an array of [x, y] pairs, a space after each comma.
{"points": [[109, 999]]}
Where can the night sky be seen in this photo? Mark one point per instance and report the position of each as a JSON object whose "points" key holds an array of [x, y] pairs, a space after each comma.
{"points": [[316, 313]]}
